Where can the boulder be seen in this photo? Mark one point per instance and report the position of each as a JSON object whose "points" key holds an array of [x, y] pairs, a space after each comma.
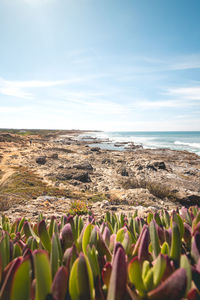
{"points": [[41, 160], [84, 166], [124, 172], [190, 200], [95, 149], [67, 175], [71, 174], [107, 161], [82, 176], [157, 165]]}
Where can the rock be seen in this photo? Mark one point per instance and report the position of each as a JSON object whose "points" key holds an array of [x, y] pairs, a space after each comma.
{"points": [[124, 172], [41, 160], [160, 165], [82, 176], [107, 161], [95, 149], [67, 175], [132, 146], [54, 156], [157, 165], [190, 200], [84, 166]]}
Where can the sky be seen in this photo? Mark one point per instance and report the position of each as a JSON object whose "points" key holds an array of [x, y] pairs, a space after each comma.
{"points": [[113, 65]]}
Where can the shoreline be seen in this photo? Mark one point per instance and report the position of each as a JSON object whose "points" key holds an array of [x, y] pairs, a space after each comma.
{"points": [[177, 140], [68, 170]]}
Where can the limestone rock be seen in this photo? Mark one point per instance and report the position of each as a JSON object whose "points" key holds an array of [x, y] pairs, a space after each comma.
{"points": [[41, 160]]}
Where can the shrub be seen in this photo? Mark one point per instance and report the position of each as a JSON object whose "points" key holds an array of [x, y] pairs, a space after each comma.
{"points": [[78, 207]]}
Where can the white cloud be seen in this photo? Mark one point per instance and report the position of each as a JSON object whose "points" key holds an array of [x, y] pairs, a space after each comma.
{"points": [[14, 109], [189, 93], [161, 104], [18, 88]]}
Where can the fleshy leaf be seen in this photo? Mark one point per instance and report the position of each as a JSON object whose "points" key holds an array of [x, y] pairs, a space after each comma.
{"points": [[42, 274], [154, 238], [81, 284], [135, 274], [117, 286], [21, 283], [176, 243], [60, 283], [172, 288], [184, 263], [44, 236]]}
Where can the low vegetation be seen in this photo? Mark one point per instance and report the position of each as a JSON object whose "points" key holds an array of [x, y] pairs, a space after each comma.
{"points": [[24, 185], [116, 258], [155, 188], [78, 207]]}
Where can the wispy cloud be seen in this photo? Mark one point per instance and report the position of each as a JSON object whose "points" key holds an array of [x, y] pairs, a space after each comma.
{"points": [[19, 88], [14, 109], [188, 93]]}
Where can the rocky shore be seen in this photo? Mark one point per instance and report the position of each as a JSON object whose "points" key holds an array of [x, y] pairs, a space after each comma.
{"points": [[67, 169]]}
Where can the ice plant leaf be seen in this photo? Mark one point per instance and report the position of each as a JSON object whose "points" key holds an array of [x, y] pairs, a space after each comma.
{"points": [[21, 283], [117, 286], [172, 288], [148, 280], [195, 249], [70, 256], [42, 274], [176, 243], [5, 249], [106, 273], [67, 236], [165, 248], [184, 263], [86, 237], [136, 248], [159, 269], [28, 231], [60, 284], [44, 235], [145, 268], [154, 238], [54, 256], [81, 284], [6, 287], [135, 274], [143, 252]]}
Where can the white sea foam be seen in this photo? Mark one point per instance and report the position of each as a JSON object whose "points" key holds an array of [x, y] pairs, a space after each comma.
{"points": [[153, 140], [192, 145]]}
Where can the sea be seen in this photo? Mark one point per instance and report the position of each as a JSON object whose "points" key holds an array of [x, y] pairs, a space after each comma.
{"points": [[175, 140]]}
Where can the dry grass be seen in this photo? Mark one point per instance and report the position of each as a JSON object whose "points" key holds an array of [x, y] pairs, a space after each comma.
{"points": [[157, 189], [24, 185]]}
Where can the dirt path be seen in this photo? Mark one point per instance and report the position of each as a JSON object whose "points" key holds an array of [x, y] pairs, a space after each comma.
{"points": [[5, 166]]}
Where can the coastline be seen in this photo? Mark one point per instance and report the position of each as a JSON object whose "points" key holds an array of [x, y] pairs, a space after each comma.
{"points": [[107, 180], [174, 140]]}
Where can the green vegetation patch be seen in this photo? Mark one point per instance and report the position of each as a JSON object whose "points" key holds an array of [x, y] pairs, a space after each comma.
{"points": [[25, 185], [120, 257], [78, 207]]}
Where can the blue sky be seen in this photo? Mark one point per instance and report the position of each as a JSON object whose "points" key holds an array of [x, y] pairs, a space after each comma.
{"points": [[100, 64]]}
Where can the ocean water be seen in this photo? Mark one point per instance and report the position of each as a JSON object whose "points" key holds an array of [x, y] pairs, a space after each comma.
{"points": [[176, 140]]}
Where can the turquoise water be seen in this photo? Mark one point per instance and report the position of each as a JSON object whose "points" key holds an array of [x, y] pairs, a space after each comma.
{"points": [[177, 140]]}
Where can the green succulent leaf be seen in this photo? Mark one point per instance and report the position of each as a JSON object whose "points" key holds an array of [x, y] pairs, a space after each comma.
{"points": [[154, 239], [44, 235], [42, 274], [21, 283]]}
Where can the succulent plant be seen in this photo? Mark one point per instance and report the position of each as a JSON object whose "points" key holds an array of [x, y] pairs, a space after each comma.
{"points": [[118, 257]]}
